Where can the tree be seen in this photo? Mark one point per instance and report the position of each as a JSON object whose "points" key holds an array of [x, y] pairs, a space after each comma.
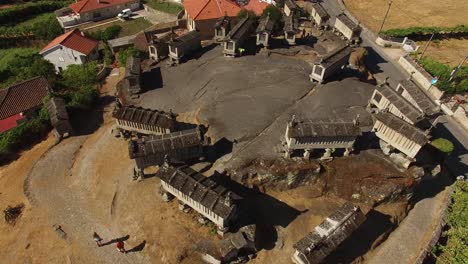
{"points": [[110, 32], [275, 14], [47, 29], [124, 54], [79, 76]]}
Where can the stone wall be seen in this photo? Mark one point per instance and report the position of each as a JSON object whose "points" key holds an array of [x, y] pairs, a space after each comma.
{"points": [[420, 76]]}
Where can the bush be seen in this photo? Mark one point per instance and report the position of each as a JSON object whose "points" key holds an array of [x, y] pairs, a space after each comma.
{"points": [[455, 250], [275, 15], [110, 32], [47, 28], [444, 145], [124, 54], [244, 13], [82, 98], [20, 137]]}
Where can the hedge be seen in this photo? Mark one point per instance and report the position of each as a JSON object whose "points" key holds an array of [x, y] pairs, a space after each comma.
{"points": [[23, 12], [405, 32], [458, 85]]}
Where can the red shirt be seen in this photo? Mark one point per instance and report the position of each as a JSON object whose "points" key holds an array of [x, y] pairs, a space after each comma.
{"points": [[120, 244]]}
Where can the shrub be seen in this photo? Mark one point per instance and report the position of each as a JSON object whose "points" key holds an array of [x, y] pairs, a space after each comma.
{"points": [[442, 144], [82, 98], [244, 13], [110, 33], [275, 14], [442, 71], [78, 76], [124, 54], [406, 32], [47, 28]]}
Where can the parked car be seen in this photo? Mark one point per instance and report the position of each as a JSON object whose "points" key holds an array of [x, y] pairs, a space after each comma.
{"points": [[125, 13]]}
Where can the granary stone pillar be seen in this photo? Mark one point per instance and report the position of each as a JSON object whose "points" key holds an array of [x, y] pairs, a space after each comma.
{"points": [[307, 154], [328, 154], [347, 152], [138, 173], [222, 230], [287, 154], [167, 197]]}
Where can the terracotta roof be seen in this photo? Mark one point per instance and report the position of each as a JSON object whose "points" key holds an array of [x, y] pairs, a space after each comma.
{"points": [[210, 9], [73, 40], [89, 5], [9, 122], [22, 96], [256, 6]]}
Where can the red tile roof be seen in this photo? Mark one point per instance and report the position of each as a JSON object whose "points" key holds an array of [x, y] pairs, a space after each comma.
{"points": [[73, 40], [256, 6], [89, 5], [210, 9], [9, 122], [22, 96]]}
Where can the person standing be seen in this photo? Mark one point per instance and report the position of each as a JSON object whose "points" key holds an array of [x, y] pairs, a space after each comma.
{"points": [[121, 247], [98, 239]]}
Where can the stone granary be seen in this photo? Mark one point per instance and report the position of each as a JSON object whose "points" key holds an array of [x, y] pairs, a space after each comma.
{"points": [[132, 79], [326, 237], [401, 135], [210, 199], [290, 29], [347, 28], [319, 15], [154, 150], [416, 96], [320, 134], [222, 27], [385, 97], [138, 120], [183, 45], [328, 64], [289, 7], [236, 37], [59, 117], [158, 47], [264, 29]]}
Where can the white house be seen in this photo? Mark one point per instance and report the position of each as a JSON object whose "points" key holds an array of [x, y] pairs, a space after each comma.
{"points": [[70, 48]]}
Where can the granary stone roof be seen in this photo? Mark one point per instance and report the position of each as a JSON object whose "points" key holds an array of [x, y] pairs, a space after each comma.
{"points": [[347, 21], [223, 21], [327, 236], [422, 100], [58, 115], [290, 4], [334, 56], [403, 105], [187, 37], [320, 10], [145, 116], [240, 29], [266, 24], [323, 128], [165, 144], [401, 126], [290, 24], [133, 66], [199, 188]]}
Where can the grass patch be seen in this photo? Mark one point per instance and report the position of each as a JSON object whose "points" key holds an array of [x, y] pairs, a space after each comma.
{"points": [[129, 27], [167, 7]]}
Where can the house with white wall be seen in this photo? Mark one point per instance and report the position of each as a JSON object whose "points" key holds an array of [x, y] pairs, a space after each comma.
{"points": [[70, 48]]}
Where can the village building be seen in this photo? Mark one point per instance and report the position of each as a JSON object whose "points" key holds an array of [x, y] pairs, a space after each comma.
{"points": [[138, 120], [154, 150], [326, 237], [319, 15], [202, 15], [320, 134], [237, 36], [401, 135], [201, 193], [416, 96], [264, 29], [70, 48], [289, 7], [183, 45], [21, 102], [290, 29], [385, 97], [59, 117], [222, 27], [93, 10], [329, 64], [349, 29]]}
